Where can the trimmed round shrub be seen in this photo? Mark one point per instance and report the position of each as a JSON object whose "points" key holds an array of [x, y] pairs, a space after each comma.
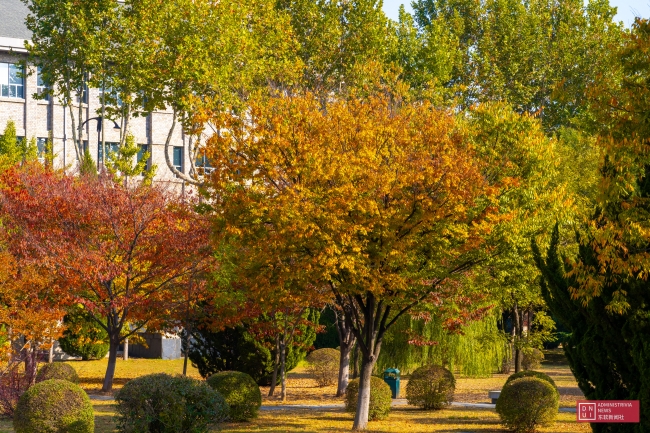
{"points": [[531, 373], [431, 387], [83, 336], [526, 403], [380, 398], [241, 393], [54, 406], [57, 370], [532, 359], [324, 366], [162, 403]]}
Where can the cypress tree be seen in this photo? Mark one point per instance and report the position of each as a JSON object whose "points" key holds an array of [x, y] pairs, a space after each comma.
{"points": [[608, 352]]}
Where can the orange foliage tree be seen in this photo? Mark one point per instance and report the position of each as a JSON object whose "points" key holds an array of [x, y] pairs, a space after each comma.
{"points": [[383, 203], [119, 250], [29, 312]]}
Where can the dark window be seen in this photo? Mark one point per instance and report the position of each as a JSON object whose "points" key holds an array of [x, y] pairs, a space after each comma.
{"points": [[84, 94], [41, 87], [111, 148], [43, 147], [178, 158], [112, 97], [144, 148], [203, 164], [12, 84], [85, 147]]}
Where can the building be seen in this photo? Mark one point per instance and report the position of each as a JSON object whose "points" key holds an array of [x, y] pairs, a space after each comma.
{"points": [[40, 119]]}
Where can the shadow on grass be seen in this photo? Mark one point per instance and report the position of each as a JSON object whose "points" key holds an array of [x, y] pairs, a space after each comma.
{"points": [[105, 418]]}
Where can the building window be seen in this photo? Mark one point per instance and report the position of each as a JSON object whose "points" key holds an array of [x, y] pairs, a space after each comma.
{"points": [[12, 84], [43, 147], [41, 87], [111, 148], [84, 148], [203, 164], [144, 148], [178, 158], [112, 97], [84, 94]]}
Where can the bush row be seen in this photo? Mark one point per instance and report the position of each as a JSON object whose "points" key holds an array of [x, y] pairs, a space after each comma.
{"points": [[156, 403]]}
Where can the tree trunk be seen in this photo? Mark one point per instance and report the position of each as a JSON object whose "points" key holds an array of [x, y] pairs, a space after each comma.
{"points": [[187, 352], [112, 360], [283, 373], [276, 366], [346, 342], [344, 370], [517, 332], [125, 353], [50, 355], [355, 361], [80, 123], [363, 399], [31, 364]]}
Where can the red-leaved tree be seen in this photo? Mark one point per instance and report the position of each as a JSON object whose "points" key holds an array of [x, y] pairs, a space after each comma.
{"points": [[120, 250]]}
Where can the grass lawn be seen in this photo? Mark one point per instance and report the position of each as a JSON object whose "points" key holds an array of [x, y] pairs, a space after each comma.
{"points": [[91, 373], [303, 390]]}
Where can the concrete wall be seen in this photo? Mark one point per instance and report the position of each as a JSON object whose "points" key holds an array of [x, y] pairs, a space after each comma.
{"points": [[159, 347]]}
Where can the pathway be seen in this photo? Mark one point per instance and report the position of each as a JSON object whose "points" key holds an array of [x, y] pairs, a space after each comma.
{"points": [[396, 402]]}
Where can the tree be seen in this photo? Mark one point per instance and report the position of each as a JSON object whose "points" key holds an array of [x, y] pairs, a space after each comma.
{"points": [[291, 327], [476, 349], [198, 57], [14, 151], [337, 40], [82, 336], [539, 56], [600, 291], [381, 203], [116, 249], [68, 44], [29, 312]]}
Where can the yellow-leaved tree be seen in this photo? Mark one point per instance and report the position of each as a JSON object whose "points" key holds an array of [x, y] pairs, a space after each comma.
{"points": [[383, 203]]}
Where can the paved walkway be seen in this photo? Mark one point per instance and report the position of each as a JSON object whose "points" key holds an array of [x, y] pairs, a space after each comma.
{"points": [[397, 402]]}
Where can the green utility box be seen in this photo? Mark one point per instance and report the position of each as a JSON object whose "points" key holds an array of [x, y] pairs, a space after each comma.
{"points": [[391, 377]]}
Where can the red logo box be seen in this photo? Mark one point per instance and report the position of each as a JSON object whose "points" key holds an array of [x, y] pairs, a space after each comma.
{"points": [[614, 411]]}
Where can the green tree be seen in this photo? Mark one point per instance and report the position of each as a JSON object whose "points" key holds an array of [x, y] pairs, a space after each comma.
{"points": [[124, 168], [10, 148], [600, 291], [83, 336], [342, 45], [539, 56], [69, 39]]}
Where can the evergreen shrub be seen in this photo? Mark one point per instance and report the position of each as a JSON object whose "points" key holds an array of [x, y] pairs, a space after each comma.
{"points": [[324, 366], [57, 370], [161, 403], [235, 348], [380, 398], [54, 406], [240, 392], [83, 336], [532, 373], [526, 403], [431, 387], [532, 359]]}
